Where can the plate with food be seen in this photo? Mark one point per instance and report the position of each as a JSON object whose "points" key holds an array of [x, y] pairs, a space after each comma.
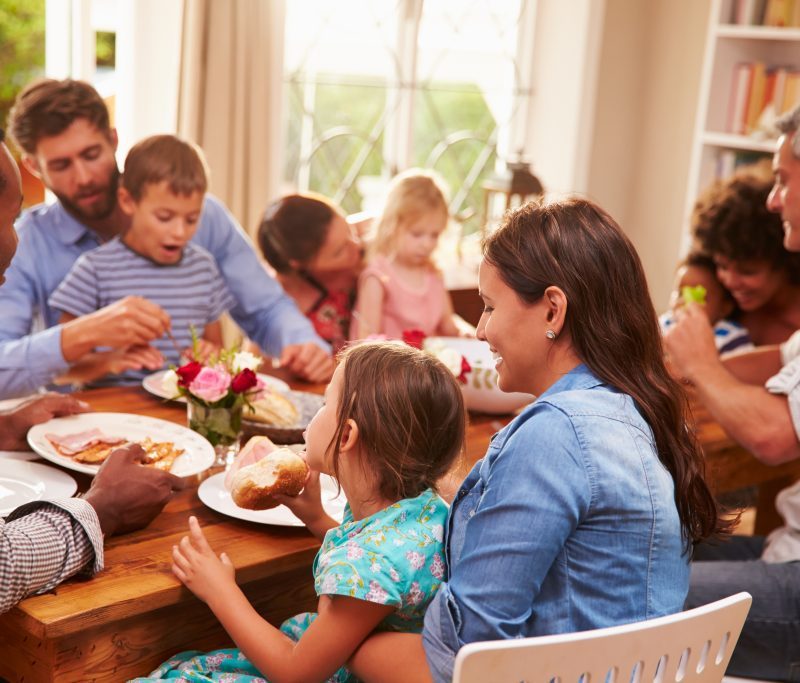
{"points": [[82, 442], [155, 385], [24, 482], [262, 470], [214, 494], [281, 415]]}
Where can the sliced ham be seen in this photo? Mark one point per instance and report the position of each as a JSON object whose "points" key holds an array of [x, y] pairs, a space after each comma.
{"points": [[70, 444], [254, 450]]}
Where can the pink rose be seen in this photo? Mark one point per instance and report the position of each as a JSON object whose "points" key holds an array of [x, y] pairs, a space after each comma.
{"points": [[210, 384]]}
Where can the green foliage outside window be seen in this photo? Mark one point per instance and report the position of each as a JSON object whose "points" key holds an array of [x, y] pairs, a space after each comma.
{"points": [[21, 48], [348, 112]]}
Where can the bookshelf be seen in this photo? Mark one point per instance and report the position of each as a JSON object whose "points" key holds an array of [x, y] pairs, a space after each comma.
{"points": [[737, 39]]}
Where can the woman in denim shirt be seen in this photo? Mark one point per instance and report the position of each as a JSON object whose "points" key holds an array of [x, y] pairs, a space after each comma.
{"points": [[584, 510]]}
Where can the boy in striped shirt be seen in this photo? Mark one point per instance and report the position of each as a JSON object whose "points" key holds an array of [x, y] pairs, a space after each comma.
{"points": [[162, 190]]}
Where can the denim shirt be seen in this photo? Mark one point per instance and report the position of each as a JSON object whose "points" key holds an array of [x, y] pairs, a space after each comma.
{"points": [[568, 524], [51, 240]]}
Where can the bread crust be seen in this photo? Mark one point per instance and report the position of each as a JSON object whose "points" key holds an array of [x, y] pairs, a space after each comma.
{"points": [[281, 472], [274, 409]]}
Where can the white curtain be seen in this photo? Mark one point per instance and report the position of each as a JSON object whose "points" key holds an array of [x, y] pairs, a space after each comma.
{"points": [[230, 98]]}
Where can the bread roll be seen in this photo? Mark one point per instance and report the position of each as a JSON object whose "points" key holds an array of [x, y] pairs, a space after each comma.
{"points": [[282, 471], [274, 409]]}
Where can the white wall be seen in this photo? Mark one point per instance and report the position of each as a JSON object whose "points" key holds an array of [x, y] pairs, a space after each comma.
{"points": [[560, 122], [648, 81], [147, 79]]}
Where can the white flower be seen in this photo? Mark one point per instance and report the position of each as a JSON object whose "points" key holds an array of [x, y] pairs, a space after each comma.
{"points": [[244, 360], [169, 383], [438, 532]]}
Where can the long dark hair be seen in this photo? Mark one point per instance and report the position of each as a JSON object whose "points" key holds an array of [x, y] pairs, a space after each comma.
{"points": [[612, 325], [294, 228]]}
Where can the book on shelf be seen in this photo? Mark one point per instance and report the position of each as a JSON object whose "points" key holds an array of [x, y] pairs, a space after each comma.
{"points": [[748, 12], [775, 13], [759, 94], [739, 98], [791, 92], [755, 99], [778, 13]]}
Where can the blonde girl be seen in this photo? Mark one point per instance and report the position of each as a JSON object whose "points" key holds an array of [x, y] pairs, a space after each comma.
{"points": [[401, 289], [392, 425]]}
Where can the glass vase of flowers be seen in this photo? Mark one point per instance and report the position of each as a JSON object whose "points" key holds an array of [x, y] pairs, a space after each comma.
{"points": [[216, 392]]}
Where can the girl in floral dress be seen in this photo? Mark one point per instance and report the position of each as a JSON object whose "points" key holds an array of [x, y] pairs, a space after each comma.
{"points": [[392, 425]]}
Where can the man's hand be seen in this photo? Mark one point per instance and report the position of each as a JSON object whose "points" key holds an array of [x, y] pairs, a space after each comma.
{"points": [[689, 344], [132, 321], [128, 495], [14, 424], [308, 361]]}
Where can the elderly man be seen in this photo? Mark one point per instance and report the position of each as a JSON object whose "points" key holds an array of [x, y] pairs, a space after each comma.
{"points": [[63, 130], [46, 542], [758, 402]]}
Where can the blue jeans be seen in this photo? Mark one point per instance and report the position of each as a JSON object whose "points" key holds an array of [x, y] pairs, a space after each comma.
{"points": [[769, 647]]}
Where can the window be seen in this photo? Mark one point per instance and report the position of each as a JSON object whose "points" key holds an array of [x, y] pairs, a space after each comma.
{"points": [[373, 88]]}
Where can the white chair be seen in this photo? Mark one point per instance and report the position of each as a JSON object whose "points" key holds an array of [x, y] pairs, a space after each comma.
{"points": [[692, 646]]}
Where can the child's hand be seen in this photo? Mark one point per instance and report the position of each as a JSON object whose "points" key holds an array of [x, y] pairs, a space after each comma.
{"points": [[307, 505], [198, 567]]}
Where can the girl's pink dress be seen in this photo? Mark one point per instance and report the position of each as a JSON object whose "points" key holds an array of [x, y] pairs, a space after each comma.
{"points": [[404, 307]]}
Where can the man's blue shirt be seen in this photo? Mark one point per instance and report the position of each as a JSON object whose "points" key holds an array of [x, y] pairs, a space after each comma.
{"points": [[50, 240]]}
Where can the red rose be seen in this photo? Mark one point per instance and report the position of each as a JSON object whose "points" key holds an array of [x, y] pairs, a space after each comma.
{"points": [[465, 369], [414, 338], [244, 381], [186, 373]]}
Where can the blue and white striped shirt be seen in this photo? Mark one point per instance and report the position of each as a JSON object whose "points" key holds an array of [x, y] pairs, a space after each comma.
{"points": [[51, 240], [192, 292]]}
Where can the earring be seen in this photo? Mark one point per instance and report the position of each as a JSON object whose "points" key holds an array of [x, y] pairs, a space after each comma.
{"points": [[550, 335]]}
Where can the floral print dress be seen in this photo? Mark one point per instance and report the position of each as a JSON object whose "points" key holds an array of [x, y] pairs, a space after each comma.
{"points": [[394, 557]]}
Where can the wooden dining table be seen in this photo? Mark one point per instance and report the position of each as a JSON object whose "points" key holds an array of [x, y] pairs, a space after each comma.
{"points": [[135, 614]]}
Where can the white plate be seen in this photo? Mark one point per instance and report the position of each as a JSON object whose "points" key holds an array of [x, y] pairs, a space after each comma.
{"points": [[155, 385], [16, 455], [23, 482], [198, 453], [214, 494]]}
